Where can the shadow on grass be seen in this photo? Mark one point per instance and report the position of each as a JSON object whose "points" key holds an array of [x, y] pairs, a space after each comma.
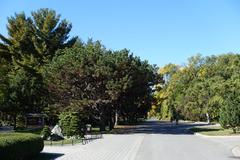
{"points": [[48, 156]]}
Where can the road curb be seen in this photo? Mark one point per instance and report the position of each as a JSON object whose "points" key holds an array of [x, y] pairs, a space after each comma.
{"points": [[202, 135]]}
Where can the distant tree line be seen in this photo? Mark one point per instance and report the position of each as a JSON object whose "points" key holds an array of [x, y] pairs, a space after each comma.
{"points": [[205, 89], [43, 70]]}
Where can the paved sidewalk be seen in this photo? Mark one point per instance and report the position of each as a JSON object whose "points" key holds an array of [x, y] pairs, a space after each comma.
{"points": [[111, 147]]}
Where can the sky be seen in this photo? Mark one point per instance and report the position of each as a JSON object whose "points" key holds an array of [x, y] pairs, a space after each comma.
{"points": [[160, 31]]}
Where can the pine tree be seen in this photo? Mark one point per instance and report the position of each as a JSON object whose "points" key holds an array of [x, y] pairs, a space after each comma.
{"points": [[38, 37], [31, 43]]}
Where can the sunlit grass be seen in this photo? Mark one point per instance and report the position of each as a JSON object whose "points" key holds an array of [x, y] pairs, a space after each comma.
{"points": [[214, 131]]}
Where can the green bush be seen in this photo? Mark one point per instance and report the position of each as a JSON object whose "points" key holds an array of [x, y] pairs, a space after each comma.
{"points": [[46, 132], [69, 123], [230, 115], [20, 121], [19, 146], [230, 110], [74, 125]]}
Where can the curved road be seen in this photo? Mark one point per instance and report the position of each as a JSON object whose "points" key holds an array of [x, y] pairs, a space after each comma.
{"points": [[166, 141]]}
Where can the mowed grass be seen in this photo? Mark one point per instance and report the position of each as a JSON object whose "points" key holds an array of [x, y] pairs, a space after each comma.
{"points": [[33, 131], [119, 129], [214, 131], [37, 131]]}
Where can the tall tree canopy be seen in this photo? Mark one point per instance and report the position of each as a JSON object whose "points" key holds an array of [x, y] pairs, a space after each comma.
{"points": [[205, 89], [98, 83], [37, 37], [31, 43]]}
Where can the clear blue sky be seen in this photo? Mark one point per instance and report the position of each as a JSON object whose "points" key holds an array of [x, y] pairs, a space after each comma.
{"points": [[161, 31]]}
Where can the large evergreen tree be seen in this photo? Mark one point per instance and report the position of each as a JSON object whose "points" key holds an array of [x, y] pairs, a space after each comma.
{"points": [[38, 36], [101, 83], [31, 43]]}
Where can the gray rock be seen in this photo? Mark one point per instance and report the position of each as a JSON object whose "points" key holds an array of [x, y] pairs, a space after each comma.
{"points": [[236, 151], [57, 131]]}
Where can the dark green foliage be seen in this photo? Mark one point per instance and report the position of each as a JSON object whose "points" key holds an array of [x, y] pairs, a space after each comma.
{"points": [[18, 146], [230, 115], [35, 39], [230, 111], [97, 83], [46, 132], [20, 121], [46, 71], [31, 43], [26, 93]]}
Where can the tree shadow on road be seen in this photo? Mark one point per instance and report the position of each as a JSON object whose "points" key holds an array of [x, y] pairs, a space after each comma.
{"points": [[48, 156], [234, 157], [159, 127]]}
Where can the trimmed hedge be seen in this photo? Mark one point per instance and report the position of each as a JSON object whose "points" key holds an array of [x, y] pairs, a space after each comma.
{"points": [[20, 146]]}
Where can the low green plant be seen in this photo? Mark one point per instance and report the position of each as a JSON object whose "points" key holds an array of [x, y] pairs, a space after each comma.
{"points": [[20, 121], [70, 123], [230, 113], [46, 132], [20, 146]]}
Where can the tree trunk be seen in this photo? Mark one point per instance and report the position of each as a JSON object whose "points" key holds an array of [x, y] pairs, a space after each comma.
{"points": [[116, 118], [14, 122], [102, 126], [177, 121], [110, 124], [208, 118], [234, 130], [102, 123]]}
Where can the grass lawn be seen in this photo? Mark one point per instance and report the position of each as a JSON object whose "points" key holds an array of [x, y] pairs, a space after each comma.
{"points": [[119, 129], [214, 131], [34, 131], [38, 132]]}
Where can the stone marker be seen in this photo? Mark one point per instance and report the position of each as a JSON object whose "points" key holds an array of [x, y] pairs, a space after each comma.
{"points": [[236, 151], [56, 133]]}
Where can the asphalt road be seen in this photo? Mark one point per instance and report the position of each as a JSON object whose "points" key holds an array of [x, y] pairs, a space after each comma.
{"points": [[166, 141], [153, 140]]}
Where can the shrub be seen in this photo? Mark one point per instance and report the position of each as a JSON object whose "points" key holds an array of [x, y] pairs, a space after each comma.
{"points": [[20, 121], [19, 146], [46, 132], [74, 125], [70, 124], [230, 114], [64, 121]]}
